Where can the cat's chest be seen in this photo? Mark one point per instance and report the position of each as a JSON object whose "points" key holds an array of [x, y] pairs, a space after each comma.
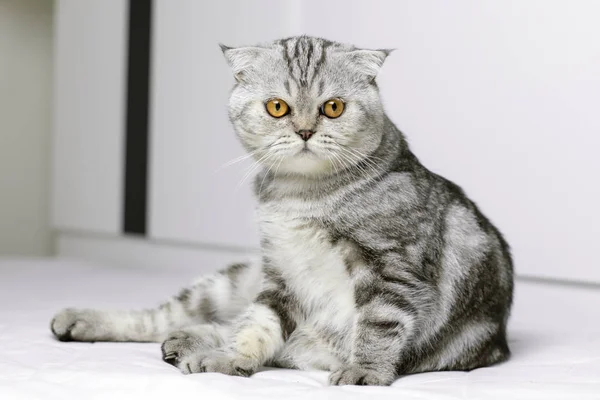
{"points": [[314, 268]]}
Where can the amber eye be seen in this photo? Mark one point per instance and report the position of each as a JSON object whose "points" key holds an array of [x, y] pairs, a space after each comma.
{"points": [[277, 108], [332, 108]]}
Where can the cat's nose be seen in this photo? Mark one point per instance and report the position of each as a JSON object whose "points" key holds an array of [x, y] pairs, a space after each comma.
{"points": [[305, 134]]}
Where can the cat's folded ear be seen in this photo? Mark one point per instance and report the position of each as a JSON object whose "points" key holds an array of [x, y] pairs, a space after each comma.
{"points": [[368, 62], [241, 59]]}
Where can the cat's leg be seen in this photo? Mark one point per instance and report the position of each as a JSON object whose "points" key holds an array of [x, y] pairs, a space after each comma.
{"points": [[385, 324], [216, 298], [305, 350], [476, 344], [185, 346], [257, 335]]}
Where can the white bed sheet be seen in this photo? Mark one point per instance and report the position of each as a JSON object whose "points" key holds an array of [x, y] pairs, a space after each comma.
{"points": [[554, 336]]}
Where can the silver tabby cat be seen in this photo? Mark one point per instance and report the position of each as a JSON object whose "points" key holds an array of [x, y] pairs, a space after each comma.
{"points": [[372, 266]]}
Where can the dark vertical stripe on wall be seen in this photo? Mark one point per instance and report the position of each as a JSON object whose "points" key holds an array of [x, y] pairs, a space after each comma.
{"points": [[138, 95]]}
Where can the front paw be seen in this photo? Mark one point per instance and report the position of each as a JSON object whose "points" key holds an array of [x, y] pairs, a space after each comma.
{"points": [[354, 375], [179, 346], [72, 324], [226, 363]]}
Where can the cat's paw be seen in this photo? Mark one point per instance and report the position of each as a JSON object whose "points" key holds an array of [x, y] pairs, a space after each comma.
{"points": [[181, 346], [72, 324], [354, 375], [219, 361]]}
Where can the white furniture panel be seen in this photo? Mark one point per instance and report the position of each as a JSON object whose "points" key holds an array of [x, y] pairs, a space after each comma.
{"points": [[191, 134], [90, 70], [25, 116], [502, 97]]}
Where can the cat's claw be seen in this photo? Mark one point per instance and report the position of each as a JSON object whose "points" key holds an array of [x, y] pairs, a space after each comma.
{"points": [[170, 358]]}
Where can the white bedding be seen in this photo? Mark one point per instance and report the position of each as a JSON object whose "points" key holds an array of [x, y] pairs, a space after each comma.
{"points": [[554, 336]]}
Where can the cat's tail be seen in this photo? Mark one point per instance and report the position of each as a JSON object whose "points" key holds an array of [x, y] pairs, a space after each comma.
{"points": [[215, 298]]}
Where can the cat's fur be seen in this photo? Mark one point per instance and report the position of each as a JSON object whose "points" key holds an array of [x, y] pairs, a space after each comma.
{"points": [[372, 266]]}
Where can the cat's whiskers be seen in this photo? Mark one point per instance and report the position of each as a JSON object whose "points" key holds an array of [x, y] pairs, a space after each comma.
{"points": [[351, 159], [278, 165], [235, 161], [375, 168], [257, 164], [271, 165], [368, 171], [334, 161], [368, 158], [274, 147], [343, 160]]}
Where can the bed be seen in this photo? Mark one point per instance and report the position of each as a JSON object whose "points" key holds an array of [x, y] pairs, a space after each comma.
{"points": [[554, 336]]}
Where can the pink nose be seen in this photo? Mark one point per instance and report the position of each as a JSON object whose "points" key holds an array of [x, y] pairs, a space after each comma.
{"points": [[305, 134]]}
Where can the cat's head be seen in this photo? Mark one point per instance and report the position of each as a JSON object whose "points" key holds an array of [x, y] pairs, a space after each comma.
{"points": [[306, 105]]}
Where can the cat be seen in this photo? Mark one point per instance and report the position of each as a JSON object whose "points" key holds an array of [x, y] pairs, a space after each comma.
{"points": [[372, 266]]}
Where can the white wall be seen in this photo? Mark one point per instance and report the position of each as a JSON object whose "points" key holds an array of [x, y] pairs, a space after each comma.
{"points": [[25, 116], [499, 96]]}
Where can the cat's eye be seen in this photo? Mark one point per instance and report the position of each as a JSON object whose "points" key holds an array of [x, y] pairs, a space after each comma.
{"points": [[332, 108], [277, 108]]}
